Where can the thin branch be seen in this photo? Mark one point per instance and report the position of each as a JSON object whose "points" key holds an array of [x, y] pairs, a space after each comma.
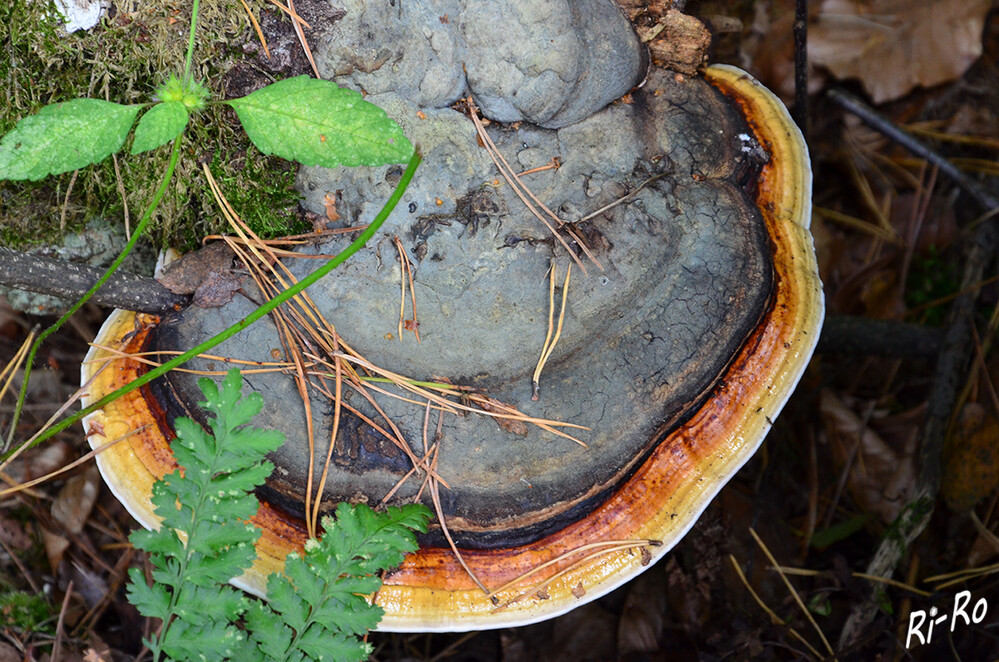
{"points": [[801, 66], [883, 125], [70, 280]]}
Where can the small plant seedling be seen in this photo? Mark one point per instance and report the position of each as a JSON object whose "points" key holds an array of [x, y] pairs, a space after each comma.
{"points": [[311, 121], [315, 610]]}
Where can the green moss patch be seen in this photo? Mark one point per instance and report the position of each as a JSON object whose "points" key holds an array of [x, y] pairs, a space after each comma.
{"points": [[133, 51]]}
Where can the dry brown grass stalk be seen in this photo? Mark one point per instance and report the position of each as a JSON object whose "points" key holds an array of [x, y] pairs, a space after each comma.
{"points": [[256, 28], [598, 549], [774, 618], [525, 194], [550, 339], [793, 592], [318, 354]]}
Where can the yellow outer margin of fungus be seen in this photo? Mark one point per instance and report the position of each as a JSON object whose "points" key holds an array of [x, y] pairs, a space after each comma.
{"points": [[661, 501]]}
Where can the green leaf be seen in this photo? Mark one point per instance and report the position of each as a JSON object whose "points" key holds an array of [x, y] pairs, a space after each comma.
{"points": [[315, 122], [320, 599], [317, 608], [320, 645], [199, 605], [374, 540], [839, 532], [161, 124], [273, 636], [63, 137], [209, 502], [211, 641], [151, 601]]}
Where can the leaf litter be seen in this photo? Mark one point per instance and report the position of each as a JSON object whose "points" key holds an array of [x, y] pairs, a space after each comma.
{"points": [[893, 46]]}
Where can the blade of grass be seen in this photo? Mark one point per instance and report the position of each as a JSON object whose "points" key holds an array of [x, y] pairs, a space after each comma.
{"points": [[153, 204], [266, 308]]}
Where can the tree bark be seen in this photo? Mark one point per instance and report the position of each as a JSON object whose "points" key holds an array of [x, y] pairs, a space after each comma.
{"points": [[70, 280]]}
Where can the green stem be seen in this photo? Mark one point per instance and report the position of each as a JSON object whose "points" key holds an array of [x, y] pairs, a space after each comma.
{"points": [[154, 203], [190, 43], [252, 317]]}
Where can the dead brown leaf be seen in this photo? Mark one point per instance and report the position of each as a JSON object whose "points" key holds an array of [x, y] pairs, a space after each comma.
{"points": [[55, 546], [76, 499], [48, 458], [971, 459], [12, 534], [882, 474], [329, 202], [688, 595], [586, 633], [185, 275], [509, 424], [643, 615], [98, 651], [892, 46], [982, 551], [217, 289]]}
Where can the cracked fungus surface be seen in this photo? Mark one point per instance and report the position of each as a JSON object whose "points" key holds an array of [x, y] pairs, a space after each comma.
{"points": [[687, 275]]}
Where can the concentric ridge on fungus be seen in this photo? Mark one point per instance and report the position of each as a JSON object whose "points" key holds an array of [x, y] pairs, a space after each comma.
{"points": [[660, 447]]}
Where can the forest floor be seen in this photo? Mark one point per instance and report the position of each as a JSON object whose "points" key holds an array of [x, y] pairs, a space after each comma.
{"points": [[839, 466]]}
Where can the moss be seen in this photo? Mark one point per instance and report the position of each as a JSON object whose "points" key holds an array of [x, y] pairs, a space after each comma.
{"points": [[134, 50], [26, 612], [931, 278]]}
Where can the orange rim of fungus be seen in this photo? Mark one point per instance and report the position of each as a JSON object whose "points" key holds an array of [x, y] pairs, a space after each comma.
{"points": [[661, 501]]}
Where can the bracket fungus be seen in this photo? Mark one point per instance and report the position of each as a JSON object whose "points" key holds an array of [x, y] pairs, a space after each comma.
{"points": [[674, 358]]}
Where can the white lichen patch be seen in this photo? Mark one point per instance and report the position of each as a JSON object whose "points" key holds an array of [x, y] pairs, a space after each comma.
{"points": [[80, 14]]}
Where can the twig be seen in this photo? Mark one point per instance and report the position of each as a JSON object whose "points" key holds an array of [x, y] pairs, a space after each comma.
{"points": [[801, 66], [554, 164], [406, 269], [855, 334], [521, 190], [65, 202], [435, 498], [291, 14], [774, 618], [69, 280], [541, 588], [550, 340], [298, 23], [8, 373], [626, 544], [256, 28], [29, 575], [124, 197], [806, 572], [885, 126], [20, 487], [57, 646]]}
